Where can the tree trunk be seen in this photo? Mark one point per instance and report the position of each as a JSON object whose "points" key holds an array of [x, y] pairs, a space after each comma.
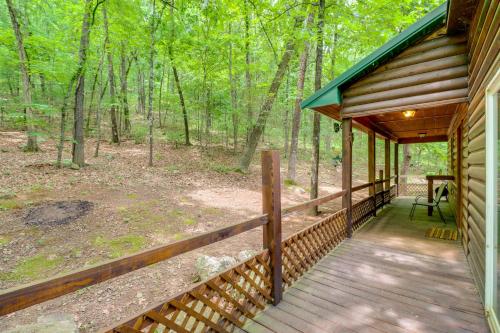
{"points": [[286, 127], [317, 115], [92, 93], [111, 77], [292, 161], [248, 77], [78, 150], [234, 100], [102, 91], [258, 128], [406, 164], [151, 85], [32, 144], [124, 69]]}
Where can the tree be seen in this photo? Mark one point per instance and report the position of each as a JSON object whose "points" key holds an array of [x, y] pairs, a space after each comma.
{"points": [[151, 83], [176, 78], [258, 128], [317, 115], [78, 151], [115, 138], [32, 144]]}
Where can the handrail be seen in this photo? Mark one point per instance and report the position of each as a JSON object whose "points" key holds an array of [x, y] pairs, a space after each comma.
{"points": [[22, 297], [360, 187], [312, 203], [440, 177]]}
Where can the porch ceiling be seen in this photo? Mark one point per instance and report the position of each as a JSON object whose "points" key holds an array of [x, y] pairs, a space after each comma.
{"points": [[427, 125]]}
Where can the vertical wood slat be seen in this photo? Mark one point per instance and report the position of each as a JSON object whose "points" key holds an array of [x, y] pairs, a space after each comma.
{"points": [[396, 167], [430, 196], [347, 171], [387, 153], [371, 161], [271, 205]]}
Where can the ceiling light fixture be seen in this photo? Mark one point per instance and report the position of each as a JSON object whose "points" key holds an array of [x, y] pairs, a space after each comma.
{"points": [[409, 113], [422, 135]]}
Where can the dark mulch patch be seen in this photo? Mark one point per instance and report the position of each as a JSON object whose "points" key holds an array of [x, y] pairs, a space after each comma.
{"points": [[57, 212]]}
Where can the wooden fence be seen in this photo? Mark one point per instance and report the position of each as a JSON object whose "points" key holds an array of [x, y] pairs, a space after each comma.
{"points": [[226, 300]]}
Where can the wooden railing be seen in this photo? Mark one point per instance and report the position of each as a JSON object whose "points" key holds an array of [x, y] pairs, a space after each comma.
{"points": [[227, 299]]}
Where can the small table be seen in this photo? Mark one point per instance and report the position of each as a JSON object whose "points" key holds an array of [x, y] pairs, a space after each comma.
{"points": [[430, 188]]}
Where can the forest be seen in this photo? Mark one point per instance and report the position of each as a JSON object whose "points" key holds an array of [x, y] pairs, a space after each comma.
{"points": [[139, 123], [207, 73]]}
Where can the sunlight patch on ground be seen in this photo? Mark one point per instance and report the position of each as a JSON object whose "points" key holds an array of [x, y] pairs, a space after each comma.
{"points": [[241, 200]]}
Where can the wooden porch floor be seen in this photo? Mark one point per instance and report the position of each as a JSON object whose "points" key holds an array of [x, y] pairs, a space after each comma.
{"points": [[387, 278]]}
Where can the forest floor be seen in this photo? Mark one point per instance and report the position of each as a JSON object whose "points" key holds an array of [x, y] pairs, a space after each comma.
{"points": [[129, 207]]}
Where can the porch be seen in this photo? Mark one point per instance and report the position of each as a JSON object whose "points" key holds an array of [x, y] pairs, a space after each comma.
{"points": [[387, 278]]}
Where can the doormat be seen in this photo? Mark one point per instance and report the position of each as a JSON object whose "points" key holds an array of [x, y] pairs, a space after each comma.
{"points": [[440, 233]]}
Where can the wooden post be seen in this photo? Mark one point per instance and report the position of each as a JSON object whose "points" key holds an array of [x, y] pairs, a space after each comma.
{"points": [[381, 177], [371, 161], [430, 194], [396, 167], [271, 205], [347, 171], [387, 155]]}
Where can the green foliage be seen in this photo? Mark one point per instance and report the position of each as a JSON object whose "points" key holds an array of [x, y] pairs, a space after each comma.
{"points": [[139, 134]]}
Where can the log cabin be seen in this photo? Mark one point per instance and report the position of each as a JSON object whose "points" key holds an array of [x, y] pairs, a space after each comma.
{"points": [[365, 267]]}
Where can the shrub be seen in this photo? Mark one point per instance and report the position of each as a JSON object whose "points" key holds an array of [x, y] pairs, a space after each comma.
{"points": [[139, 134]]}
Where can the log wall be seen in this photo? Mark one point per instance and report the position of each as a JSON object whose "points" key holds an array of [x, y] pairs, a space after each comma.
{"points": [[431, 73], [483, 53]]}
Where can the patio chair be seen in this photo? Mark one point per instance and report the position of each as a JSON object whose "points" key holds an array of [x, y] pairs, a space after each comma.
{"points": [[434, 203]]}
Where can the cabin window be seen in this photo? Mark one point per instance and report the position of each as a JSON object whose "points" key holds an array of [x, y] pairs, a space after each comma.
{"points": [[492, 294]]}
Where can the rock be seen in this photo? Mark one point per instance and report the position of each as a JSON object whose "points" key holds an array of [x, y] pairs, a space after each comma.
{"points": [[298, 190], [207, 265], [52, 323], [246, 254], [74, 166]]}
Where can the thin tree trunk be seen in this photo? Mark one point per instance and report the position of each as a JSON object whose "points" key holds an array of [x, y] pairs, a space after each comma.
{"points": [[234, 101], [102, 91], [286, 127], [92, 93], [151, 85], [78, 150], [160, 92], [111, 77], [32, 144], [258, 128], [124, 69], [62, 128], [317, 115], [294, 145], [248, 76], [406, 164]]}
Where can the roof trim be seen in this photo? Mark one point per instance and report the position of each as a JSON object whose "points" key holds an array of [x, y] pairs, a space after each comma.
{"points": [[332, 92]]}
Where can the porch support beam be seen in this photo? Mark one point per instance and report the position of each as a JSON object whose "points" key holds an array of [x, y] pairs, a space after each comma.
{"points": [[437, 138], [347, 171], [387, 164], [371, 161], [396, 167]]}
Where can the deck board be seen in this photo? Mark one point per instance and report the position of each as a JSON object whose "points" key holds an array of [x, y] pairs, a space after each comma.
{"points": [[387, 278]]}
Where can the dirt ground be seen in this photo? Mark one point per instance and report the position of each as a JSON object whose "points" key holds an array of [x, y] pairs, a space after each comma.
{"points": [[132, 207]]}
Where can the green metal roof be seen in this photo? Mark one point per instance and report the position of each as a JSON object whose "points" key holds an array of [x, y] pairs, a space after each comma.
{"points": [[332, 92]]}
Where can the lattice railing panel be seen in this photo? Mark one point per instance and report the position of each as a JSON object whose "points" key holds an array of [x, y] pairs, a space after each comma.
{"points": [[411, 189], [393, 191], [379, 199], [387, 196], [220, 304], [302, 250], [362, 211]]}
